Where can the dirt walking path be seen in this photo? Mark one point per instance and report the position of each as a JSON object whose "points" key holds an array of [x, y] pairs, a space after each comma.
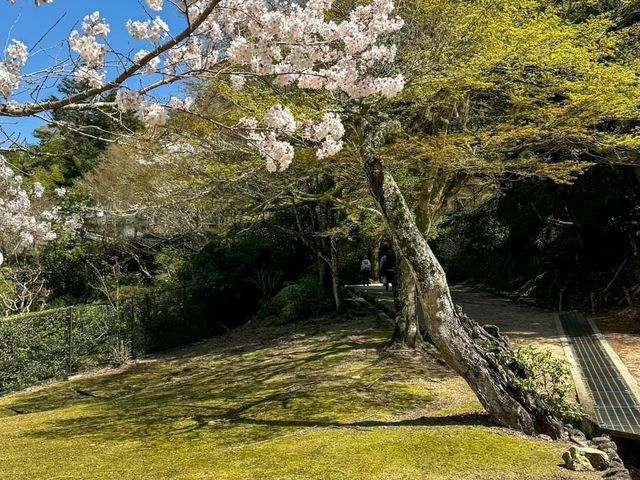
{"points": [[523, 324]]}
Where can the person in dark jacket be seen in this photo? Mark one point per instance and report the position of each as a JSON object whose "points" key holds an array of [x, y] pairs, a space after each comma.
{"points": [[387, 269], [365, 270]]}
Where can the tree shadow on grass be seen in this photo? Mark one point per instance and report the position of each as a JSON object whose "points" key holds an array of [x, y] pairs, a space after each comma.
{"points": [[239, 430], [465, 419]]}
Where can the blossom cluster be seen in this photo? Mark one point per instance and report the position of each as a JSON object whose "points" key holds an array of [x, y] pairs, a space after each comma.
{"points": [[279, 154], [90, 50], [22, 222], [329, 132], [152, 30], [151, 113], [151, 66], [16, 216], [15, 57], [154, 4], [299, 46], [280, 121]]}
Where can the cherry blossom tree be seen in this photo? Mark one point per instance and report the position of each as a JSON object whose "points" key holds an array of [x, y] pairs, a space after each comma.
{"points": [[292, 45], [234, 39]]}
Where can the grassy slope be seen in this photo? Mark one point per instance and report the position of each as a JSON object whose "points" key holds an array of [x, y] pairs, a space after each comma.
{"points": [[315, 402]]}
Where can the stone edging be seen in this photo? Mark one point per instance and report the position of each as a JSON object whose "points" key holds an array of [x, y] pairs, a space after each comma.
{"points": [[616, 469]]}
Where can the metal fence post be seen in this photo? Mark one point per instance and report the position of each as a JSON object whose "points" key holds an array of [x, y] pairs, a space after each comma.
{"points": [[132, 321], [183, 313]]}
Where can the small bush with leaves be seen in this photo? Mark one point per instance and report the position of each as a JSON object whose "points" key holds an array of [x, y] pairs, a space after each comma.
{"points": [[547, 376]]}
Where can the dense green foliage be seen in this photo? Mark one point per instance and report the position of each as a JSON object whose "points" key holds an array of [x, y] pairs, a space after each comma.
{"points": [[233, 276], [550, 378], [538, 238], [304, 298]]}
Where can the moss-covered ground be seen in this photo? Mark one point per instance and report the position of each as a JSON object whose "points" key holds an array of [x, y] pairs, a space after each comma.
{"points": [[315, 401]]}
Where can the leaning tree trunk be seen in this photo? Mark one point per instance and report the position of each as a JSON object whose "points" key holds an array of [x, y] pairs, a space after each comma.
{"points": [[465, 346], [406, 332]]}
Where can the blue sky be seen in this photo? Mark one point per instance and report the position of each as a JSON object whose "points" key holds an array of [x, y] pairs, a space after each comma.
{"points": [[27, 23]]}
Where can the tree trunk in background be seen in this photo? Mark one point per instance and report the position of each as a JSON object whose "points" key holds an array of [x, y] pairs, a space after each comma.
{"points": [[324, 247], [335, 275], [463, 344], [375, 261], [407, 328], [322, 265]]}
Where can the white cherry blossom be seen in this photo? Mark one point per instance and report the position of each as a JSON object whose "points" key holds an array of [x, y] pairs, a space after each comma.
{"points": [[128, 100], [152, 30], [237, 81], [151, 66], [292, 43], [152, 114], [280, 119], [21, 225], [15, 57], [154, 4], [180, 103], [90, 50]]}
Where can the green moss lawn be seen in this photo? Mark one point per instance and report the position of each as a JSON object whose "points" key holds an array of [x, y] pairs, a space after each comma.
{"points": [[314, 401]]}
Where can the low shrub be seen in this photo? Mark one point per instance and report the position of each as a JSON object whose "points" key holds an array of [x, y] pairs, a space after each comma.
{"points": [[296, 301], [547, 376], [120, 354]]}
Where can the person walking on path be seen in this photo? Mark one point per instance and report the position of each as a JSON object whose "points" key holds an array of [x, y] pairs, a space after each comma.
{"points": [[387, 270], [365, 270]]}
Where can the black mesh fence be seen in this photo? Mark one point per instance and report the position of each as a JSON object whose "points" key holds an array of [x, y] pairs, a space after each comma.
{"points": [[57, 343]]}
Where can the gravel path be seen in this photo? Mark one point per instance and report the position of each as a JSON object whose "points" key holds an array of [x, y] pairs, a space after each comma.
{"points": [[524, 324]]}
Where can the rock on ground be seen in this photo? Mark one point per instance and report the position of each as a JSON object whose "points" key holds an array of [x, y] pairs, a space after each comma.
{"points": [[585, 459]]}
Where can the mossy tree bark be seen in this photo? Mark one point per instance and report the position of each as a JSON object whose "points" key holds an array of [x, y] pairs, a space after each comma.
{"points": [[406, 332], [464, 345]]}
